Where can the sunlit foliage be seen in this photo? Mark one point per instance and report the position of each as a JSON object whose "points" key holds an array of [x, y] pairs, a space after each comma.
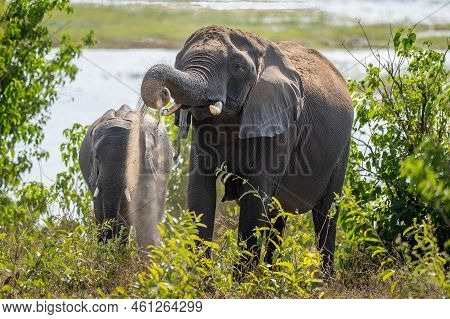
{"points": [[30, 74]]}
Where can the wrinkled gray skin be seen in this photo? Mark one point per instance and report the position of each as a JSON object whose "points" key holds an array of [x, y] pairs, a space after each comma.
{"points": [[127, 157], [285, 126]]}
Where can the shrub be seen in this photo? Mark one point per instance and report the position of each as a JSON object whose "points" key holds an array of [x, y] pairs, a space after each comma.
{"points": [[29, 76], [72, 195], [179, 268], [400, 105], [411, 271], [395, 204]]}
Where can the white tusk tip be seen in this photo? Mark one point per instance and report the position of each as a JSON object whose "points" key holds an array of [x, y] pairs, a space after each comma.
{"points": [[216, 108], [96, 192]]}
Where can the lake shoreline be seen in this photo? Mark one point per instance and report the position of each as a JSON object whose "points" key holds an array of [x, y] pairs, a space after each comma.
{"points": [[121, 27]]}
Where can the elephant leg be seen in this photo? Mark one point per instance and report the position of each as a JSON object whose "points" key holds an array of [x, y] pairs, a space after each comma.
{"points": [[252, 215], [202, 179], [145, 223], [274, 238], [324, 223], [325, 230], [265, 161], [202, 200]]}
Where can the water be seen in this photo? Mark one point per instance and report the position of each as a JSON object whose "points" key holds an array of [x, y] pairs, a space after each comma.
{"points": [[109, 78], [340, 11]]}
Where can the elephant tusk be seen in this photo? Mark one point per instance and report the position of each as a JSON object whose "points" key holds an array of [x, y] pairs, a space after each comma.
{"points": [[96, 192], [127, 194], [216, 108], [171, 109]]}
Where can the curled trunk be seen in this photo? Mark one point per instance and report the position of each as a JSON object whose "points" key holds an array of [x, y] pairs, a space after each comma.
{"points": [[188, 88]]}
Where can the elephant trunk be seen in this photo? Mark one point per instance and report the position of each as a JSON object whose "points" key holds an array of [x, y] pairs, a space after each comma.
{"points": [[112, 201], [161, 82]]}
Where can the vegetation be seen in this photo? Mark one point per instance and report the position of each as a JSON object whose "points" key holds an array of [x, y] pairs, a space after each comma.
{"points": [[393, 227], [28, 81], [402, 118], [163, 27]]}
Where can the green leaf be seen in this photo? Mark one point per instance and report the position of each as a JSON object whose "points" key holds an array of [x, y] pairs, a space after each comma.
{"points": [[211, 244], [379, 250], [285, 264], [385, 275]]}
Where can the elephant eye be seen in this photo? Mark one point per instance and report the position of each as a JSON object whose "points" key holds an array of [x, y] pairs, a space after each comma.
{"points": [[238, 69]]}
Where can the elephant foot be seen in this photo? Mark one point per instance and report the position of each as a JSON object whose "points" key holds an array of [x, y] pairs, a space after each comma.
{"points": [[323, 277], [327, 272]]}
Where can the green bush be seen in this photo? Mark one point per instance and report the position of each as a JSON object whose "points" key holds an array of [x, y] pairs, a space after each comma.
{"points": [[178, 268], [72, 194], [416, 271], [29, 76], [395, 205], [401, 105]]}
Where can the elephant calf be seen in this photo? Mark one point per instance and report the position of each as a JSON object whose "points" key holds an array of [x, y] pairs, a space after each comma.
{"points": [[125, 159]]}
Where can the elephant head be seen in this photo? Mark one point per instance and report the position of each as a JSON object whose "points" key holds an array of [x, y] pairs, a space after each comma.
{"points": [[222, 73]]}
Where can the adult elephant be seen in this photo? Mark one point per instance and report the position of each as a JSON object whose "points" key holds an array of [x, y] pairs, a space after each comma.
{"points": [[277, 114], [125, 159]]}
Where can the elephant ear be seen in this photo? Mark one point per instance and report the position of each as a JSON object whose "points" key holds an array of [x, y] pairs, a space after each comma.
{"points": [[93, 177], [275, 101]]}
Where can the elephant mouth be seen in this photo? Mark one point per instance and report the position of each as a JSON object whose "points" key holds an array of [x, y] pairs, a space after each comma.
{"points": [[233, 106], [215, 108]]}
